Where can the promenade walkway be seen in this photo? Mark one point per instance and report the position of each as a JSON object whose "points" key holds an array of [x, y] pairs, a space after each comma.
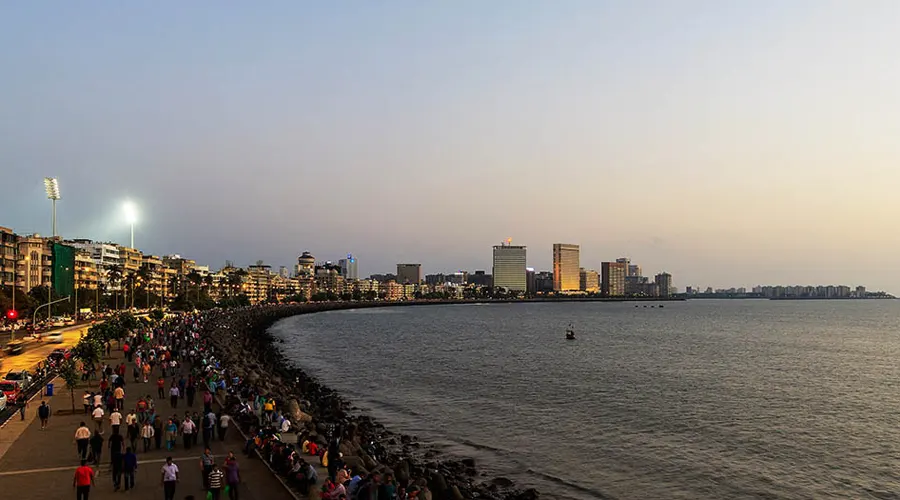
{"points": [[40, 463]]}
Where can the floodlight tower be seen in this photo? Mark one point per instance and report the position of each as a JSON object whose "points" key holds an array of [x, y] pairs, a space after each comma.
{"points": [[51, 184]]}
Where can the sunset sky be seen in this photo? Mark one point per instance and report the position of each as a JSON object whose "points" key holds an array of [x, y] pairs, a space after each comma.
{"points": [[729, 143]]}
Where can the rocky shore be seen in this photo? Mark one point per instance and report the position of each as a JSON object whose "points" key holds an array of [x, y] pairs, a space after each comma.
{"points": [[244, 345]]}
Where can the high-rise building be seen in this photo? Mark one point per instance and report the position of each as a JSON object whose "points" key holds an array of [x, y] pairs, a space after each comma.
{"points": [[543, 282], [530, 284], [509, 267], [349, 269], [613, 278], [631, 270], [409, 274], [306, 265], [588, 280], [35, 265], [566, 267], [9, 255], [664, 284]]}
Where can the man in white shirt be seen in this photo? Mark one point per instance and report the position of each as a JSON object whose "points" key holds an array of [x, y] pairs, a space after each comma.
{"points": [[82, 438], [188, 428], [169, 478], [98, 417], [223, 426], [115, 419]]}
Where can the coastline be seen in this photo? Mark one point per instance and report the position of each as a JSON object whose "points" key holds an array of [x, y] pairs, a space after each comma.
{"points": [[253, 353]]}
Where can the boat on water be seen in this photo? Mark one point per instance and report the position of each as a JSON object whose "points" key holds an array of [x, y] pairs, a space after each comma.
{"points": [[570, 333]]}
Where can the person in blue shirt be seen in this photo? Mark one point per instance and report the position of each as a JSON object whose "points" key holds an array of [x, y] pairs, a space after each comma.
{"points": [[129, 467]]}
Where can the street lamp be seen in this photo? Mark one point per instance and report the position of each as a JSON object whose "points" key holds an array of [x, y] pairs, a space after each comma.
{"points": [[131, 217], [51, 184]]}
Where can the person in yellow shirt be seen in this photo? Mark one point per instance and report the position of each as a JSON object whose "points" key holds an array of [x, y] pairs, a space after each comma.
{"points": [[269, 408]]}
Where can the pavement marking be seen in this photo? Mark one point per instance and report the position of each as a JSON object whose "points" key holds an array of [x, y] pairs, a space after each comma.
{"points": [[73, 467]]}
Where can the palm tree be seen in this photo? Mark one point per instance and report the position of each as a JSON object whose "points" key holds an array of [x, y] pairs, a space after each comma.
{"points": [[208, 281], [236, 279], [174, 281], [114, 277], [145, 276], [195, 278], [130, 279]]}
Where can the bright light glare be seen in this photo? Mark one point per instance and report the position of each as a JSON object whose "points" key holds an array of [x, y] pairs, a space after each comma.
{"points": [[51, 184], [130, 212]]}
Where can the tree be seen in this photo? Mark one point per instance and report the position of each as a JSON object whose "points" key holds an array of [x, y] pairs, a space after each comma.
{"points": [[145, 276], [90, 348], [69, 372], [195, 278], [157, 315], [114, 277]]}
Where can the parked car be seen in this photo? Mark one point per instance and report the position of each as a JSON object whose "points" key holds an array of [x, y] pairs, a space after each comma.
{"points": [[23, 377], [55, 338], [2, 401], [11, 389]]}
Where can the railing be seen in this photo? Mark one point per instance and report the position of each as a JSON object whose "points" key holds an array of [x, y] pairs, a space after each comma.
{"points": [[41, 379]]}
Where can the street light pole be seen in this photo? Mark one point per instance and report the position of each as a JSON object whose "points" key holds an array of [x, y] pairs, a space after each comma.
{"points": [[51, 184]]}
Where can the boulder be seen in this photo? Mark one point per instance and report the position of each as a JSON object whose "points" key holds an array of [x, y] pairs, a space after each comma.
{"points": [[437, 484], [293, 411], [502, 482], [468, 462], [455, 493]]}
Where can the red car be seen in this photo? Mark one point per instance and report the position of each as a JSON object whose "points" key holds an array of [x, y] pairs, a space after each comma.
{"points": [[11, 389]]}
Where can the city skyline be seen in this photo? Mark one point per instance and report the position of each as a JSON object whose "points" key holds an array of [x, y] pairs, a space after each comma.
{"points": [[753, 147]]}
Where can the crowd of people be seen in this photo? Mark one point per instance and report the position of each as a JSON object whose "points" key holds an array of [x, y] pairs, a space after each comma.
{"points": [[181, 363], [184, 367]]}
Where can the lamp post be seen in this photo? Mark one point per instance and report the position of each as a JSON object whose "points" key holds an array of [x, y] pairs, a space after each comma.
{"points": [[51, 184], [131, 217]]}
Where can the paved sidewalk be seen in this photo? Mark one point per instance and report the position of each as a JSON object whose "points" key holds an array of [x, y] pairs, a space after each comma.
{"points": [[41, 463]]}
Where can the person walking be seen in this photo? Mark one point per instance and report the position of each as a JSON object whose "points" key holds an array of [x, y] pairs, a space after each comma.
{"points": [[190, 390], [97, 414], [44, 414], [96, 447], [214, 480], [84, 478], [120, 397], [82, 438], [224, 420], [133, 430], [115, 420], [22, 403], [173, 396], [209, 428], [171, 434], [160, 388], [129, 467], [206, 466], [147, 433], [169, 478], [157, 429], [187, 432], [116, 457], [232, 476]]}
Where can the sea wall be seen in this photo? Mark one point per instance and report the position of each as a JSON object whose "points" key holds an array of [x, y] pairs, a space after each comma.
{"points": [[245, 346]]}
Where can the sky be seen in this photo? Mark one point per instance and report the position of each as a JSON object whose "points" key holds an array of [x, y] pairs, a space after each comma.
{"points": [[728, 143]]}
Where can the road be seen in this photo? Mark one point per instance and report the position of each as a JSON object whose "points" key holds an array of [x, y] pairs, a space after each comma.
{"points": [[38, 351]]}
